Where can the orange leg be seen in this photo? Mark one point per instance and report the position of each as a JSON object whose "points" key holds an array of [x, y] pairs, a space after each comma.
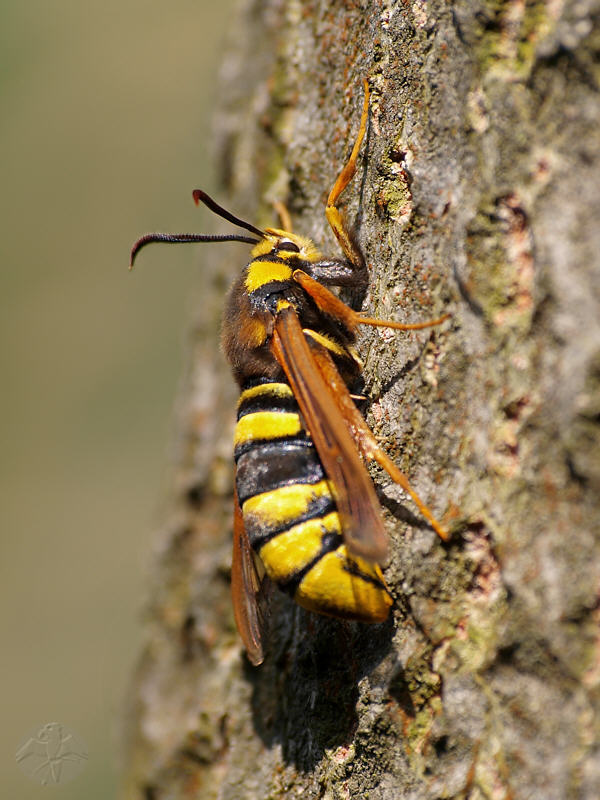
{"points": [[284, 216], [349, 248], [331, 304], [400, 326], [334, 217]]}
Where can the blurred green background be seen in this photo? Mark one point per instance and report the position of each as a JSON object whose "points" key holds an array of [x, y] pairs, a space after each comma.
{"points": [[105, 130]]}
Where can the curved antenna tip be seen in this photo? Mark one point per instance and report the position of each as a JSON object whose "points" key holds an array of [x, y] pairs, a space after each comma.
{"points": [[200, 196]]}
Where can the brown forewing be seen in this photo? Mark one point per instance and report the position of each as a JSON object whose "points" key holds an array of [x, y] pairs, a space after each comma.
{"points": [[352, 487], [245, 590]]}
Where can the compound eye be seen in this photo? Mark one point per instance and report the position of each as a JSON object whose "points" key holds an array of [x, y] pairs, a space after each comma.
{"points": [[290, 247]]}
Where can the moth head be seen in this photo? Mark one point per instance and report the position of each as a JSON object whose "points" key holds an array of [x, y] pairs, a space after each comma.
{"points": [[286, 245]]}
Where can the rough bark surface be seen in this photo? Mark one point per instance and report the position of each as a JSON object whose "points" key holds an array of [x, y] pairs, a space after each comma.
{"points": [[478, 193]]}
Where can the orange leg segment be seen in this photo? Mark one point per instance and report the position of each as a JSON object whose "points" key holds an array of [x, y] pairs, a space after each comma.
{"points": [[284, 216], [331, 212], [332, 305]]}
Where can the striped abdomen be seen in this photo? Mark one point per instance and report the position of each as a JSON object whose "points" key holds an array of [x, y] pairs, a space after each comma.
{"points": [[290, 515]]}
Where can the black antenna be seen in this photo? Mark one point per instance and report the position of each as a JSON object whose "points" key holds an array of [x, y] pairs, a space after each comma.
{"points": [[201, 197], [172, 238]]}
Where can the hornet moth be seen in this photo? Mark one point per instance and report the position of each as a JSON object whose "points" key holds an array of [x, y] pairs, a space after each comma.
{"points": [[305, 504]]}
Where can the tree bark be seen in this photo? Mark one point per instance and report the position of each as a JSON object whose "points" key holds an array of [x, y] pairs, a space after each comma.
{"points": [[478, 193]]}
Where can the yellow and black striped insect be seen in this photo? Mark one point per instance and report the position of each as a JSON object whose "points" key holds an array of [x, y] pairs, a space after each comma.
{"points": [[304, 501]]}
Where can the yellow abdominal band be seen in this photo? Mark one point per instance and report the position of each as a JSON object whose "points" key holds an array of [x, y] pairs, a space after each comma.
{"points": [[336, 584]]}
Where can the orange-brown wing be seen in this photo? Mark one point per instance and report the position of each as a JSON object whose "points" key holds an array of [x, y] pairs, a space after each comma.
{"points": [[352, 487], [364, 438], [245, 590]]}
